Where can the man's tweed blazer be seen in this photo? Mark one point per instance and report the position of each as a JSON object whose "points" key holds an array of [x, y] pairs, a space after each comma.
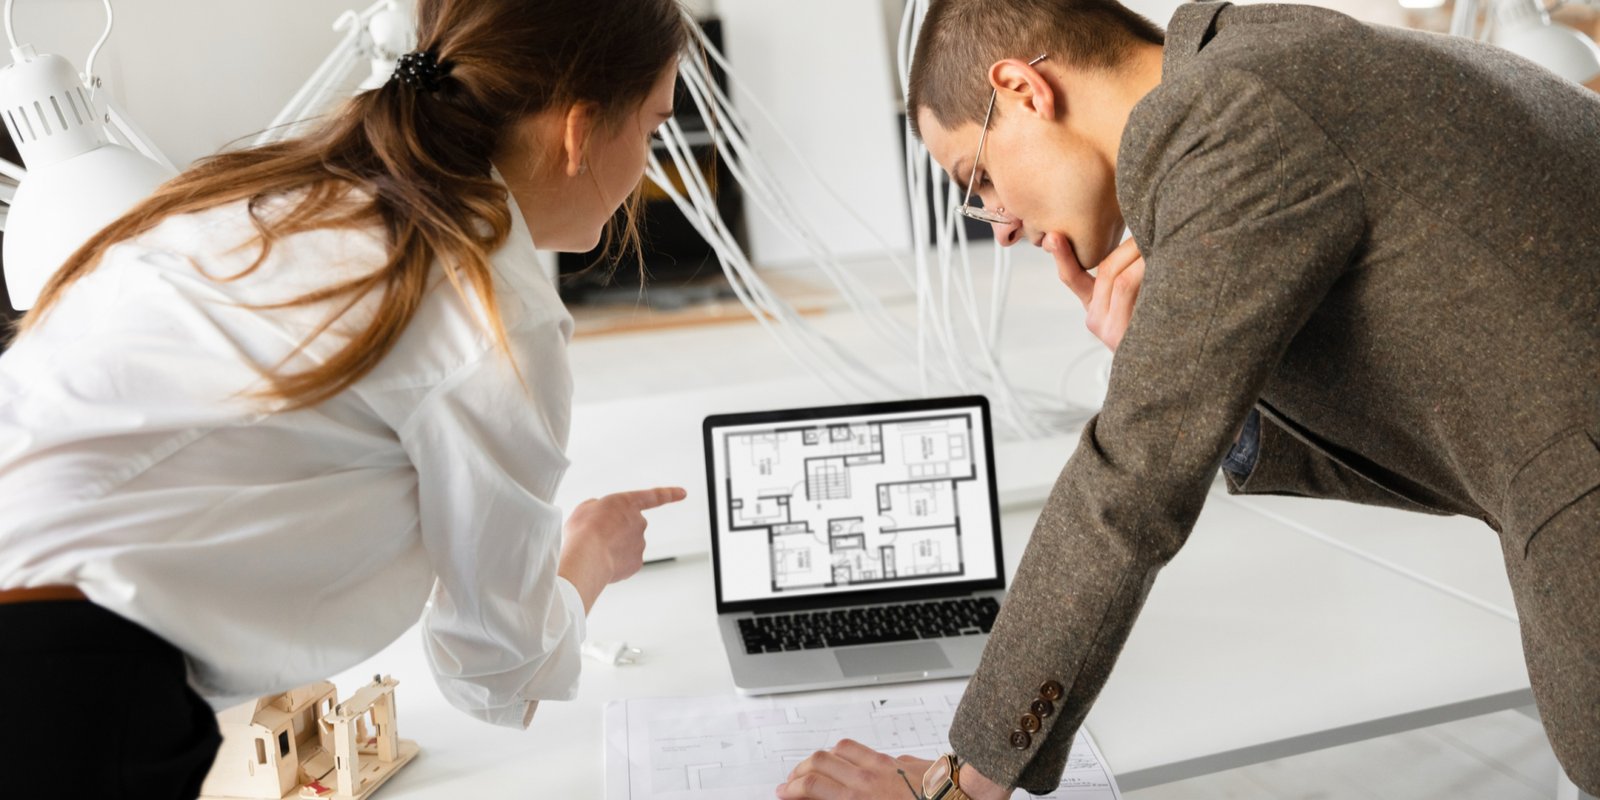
{"points": [[1387, 242]]}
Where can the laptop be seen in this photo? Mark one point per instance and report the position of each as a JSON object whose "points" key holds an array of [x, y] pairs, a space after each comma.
{"points": [[854, 544]]}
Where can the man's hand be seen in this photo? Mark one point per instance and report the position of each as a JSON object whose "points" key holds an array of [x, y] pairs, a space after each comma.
{"points": [[604, 539], [854, 771], [1107, 295]]}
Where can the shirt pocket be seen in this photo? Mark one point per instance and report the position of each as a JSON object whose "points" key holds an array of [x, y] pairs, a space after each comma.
{"points": [[1565, 470]]}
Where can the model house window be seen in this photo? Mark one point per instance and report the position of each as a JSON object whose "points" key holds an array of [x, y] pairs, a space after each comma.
{"points": [[261, 751], [283, 744]]}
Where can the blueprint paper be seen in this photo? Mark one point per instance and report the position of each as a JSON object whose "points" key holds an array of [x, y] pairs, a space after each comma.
{"points": [[737, 748]]}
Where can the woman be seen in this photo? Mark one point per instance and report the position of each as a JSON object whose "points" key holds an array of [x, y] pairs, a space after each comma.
{"points": [[253, 424]]}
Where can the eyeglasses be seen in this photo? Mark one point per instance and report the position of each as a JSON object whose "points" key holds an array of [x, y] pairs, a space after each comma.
{"points": [[979, 213]]}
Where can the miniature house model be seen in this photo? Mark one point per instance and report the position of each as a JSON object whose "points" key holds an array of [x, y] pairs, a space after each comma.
{"points": [[305, 744]]}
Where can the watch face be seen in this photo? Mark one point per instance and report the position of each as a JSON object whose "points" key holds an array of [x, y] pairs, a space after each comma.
{"points": [[936, 778]]}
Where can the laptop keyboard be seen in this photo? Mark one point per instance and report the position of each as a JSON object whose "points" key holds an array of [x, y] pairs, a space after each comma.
{"points": [[775, 633]]}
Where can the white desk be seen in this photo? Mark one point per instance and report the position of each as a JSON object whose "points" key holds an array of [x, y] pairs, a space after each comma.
{"points": [[1258, 642], [1261, 642], [1458, 555]]}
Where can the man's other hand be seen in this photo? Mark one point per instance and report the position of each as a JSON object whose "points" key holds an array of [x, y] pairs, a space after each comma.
{"points": [[1108, 294]]}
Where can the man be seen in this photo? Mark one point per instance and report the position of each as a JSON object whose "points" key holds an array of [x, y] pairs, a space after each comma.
{"points": [[1367, 267]]}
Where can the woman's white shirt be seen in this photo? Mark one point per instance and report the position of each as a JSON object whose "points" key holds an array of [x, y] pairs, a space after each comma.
{"points": [[277, 547]]}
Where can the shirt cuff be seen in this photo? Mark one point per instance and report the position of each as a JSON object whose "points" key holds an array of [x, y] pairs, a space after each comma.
{"points": [[481, 683], [1241, 460]]}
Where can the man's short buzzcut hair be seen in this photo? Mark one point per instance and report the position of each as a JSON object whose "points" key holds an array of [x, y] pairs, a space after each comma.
{"points": [[960, 39]]}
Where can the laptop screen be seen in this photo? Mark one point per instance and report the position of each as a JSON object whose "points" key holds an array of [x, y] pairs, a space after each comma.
{"points": [[849, 499]]}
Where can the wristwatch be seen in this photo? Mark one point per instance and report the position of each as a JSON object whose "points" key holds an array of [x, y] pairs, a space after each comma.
{"points": [[942, 780]]}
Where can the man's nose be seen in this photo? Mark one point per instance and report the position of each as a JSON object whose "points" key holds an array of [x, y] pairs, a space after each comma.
{"points": [[1008, 233]]}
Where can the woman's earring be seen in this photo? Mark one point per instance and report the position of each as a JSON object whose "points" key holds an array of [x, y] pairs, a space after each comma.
{"points": [[583, 168]]}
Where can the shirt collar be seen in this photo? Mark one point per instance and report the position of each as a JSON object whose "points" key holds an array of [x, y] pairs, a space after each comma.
{"points": [[519, 234]]}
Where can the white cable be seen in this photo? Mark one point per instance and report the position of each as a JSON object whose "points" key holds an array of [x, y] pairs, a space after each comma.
{"points": [[788, 218], [11, 30], [330, 78], [750, 289], [755, 102], [766, 197], [951, 342], [88, 65]]}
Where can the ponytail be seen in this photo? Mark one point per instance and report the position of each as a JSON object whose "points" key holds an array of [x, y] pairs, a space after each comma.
{"points": [[420, 150]]}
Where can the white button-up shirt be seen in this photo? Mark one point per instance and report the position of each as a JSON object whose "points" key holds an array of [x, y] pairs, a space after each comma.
{"points": [[275, 548]]}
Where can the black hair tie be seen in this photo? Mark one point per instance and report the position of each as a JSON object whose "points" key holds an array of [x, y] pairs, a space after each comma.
{"points": [[422, 69]]}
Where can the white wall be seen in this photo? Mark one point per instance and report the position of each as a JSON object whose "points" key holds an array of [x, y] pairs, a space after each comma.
{"points": [[198, 74], [822, 68], [195, 74]]}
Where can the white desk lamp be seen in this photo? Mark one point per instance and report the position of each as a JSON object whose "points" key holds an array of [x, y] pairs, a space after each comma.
{"points": [[1524, 28], [79, 178]]}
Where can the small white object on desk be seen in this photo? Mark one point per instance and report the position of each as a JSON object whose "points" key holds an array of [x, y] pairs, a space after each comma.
{"points": [[615, 654]]}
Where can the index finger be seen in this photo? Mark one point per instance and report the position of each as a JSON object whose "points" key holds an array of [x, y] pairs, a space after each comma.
{"points": [[651, 498], [1068, 269]]}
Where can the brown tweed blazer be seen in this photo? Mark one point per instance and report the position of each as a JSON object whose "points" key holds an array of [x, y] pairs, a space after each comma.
{"points": [[1389, 243]]}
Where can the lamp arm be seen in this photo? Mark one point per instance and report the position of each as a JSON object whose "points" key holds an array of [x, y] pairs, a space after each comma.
{"points": [[89, 78], [329, 76], [322, 81]]}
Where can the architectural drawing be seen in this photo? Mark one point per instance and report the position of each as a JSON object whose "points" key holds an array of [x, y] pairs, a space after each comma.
{"points": [[717, 748], [848, 504]]}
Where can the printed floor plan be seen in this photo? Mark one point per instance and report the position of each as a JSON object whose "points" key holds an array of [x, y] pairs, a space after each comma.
{"points": [[844, 504], [735, 748]]}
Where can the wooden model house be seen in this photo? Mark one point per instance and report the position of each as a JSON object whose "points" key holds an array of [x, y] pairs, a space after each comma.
{"points": [[305, 744]]}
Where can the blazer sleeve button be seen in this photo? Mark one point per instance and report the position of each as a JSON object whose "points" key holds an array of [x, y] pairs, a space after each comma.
{"points": [[1050, 691], [1029, 723], [1020, 739], [1042, 708]]}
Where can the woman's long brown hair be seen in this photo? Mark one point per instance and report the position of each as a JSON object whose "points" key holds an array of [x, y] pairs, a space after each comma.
{"points": [[422, 158]]}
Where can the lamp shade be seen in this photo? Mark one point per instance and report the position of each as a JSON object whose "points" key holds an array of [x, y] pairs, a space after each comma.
{"points": [[78, 180], [1523, 27], [58, 207]]}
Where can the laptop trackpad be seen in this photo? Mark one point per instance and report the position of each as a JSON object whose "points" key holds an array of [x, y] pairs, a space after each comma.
{"points": [[892, 658]]}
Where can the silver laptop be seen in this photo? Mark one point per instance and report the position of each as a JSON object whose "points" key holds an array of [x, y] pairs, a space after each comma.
{"points": [[854, 544]]}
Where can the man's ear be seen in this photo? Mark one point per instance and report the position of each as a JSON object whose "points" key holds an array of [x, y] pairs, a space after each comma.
{"points": [[580, 125], [1025, 86]]}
